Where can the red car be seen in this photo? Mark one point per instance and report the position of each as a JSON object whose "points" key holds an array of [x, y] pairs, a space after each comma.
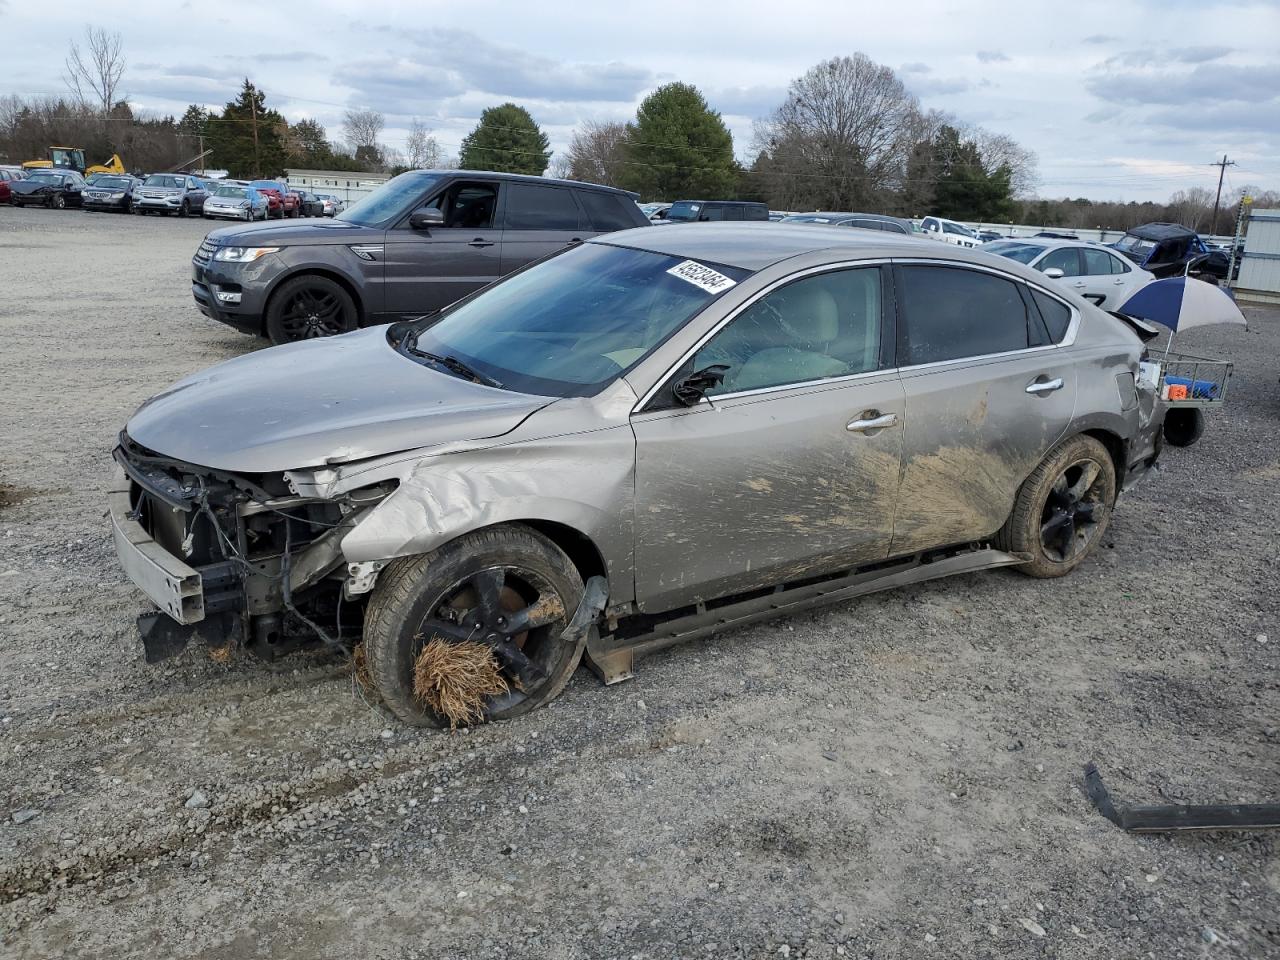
{"points": [[6, 177], [281, 202]]}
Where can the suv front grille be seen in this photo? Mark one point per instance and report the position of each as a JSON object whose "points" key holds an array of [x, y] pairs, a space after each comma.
{"points": [[205, 252]]}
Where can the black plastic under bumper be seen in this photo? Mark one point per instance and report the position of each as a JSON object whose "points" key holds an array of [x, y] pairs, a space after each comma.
{"points": [[163, 637]]}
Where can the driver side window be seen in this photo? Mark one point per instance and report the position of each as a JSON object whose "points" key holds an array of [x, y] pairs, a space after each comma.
{"points": [[813, 329], [469, 206]]}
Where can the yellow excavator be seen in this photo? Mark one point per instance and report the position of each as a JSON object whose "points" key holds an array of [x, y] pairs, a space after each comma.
{"points": [[72, 158]]}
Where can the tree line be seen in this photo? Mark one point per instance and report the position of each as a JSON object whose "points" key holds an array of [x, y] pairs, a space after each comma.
{"points": [[848, 135]]}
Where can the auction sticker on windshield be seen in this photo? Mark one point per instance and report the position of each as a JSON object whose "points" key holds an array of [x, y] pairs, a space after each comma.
{"points": [[700, 276]]}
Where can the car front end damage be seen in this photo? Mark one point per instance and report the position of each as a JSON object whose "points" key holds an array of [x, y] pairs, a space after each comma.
{"points": [[232, 558]]}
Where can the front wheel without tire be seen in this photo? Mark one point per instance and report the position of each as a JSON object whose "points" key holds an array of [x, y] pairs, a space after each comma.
{"points": [[308, 307], [508, 589], [1062, 509]]}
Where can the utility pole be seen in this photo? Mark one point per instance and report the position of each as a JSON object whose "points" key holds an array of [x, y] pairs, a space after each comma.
{"points": [[1222, 169], [253, 108]]}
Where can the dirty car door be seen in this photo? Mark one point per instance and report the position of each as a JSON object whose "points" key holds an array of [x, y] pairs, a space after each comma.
{"points": [[790, 467], [987, 396]]}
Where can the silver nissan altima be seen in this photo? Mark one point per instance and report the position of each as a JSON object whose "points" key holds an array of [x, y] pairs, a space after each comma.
{"points": [[645, 438]]}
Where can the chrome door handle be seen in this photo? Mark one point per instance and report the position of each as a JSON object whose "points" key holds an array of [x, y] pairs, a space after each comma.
{"points": [[871, 420], [480, 242], [1041, 387]]}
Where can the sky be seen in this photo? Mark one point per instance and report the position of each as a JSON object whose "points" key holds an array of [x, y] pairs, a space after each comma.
{"points": [[1120, 100]]}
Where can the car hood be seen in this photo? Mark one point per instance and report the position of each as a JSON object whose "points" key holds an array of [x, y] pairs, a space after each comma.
{"points": [[294, 234], [320, 401]]}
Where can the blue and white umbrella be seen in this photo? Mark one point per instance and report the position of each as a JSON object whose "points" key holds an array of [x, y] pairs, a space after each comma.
{"points": [[1182, 302]]}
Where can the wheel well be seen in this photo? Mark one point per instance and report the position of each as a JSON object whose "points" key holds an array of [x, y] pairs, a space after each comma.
{"points": [[582, 553], [1116, 447], [337, 278]]}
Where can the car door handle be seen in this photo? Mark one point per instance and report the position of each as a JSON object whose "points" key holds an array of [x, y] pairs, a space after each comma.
{"points": [[480, 242], [1078, 283], [1118, 281], [1041, 387], [871, 420]]}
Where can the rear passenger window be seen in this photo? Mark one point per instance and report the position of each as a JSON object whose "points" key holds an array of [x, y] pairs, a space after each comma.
{"points": [[1056, 314], [606, 211], [951, 313], [755, 213], [1096, 263], [532, 207], [712, 212]]}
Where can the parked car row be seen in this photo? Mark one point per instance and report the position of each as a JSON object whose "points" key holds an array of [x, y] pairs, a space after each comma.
{"points": [[179, 194]]}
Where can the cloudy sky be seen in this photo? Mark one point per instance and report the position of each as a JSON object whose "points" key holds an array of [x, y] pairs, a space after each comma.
{"points": [[1122, 99]]}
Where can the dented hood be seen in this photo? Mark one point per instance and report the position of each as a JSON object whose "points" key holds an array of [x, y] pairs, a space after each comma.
{"points": [[320, 401]]}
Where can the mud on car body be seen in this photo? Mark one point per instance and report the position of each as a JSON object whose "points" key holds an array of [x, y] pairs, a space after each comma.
{"points": [[650, 436]]}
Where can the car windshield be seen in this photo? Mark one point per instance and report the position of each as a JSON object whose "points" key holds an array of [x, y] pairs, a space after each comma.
{"points": [[684, 211], [956, 228], [117, 183], [570, 325], [160, 180], [46, 175], [807, 218], [235, 193], [389, 201], [1135, 246], [1022, 252]]}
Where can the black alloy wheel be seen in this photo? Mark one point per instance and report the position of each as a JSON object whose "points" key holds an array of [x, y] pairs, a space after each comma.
{"points": [[1069, 522], [309, 307]]}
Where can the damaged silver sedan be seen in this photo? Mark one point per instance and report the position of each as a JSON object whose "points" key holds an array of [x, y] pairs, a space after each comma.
{"points": [[648, 437]]}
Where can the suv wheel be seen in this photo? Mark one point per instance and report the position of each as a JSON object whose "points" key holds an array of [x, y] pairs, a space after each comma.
{"points": [[1062, 509], [184, 210], [308, 307], [508, 589]]}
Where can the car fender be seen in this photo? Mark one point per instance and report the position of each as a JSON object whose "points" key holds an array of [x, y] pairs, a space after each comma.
{"points": [[582, 481]]}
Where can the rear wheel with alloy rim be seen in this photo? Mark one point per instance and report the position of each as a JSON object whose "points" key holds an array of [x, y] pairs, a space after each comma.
{"points": [[1063, 508], [508, 589], [308, 307], [58, 202]]}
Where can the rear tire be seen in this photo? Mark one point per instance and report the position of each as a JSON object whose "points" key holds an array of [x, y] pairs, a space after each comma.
{"points": [[413, 592], [1062, 510], [308, 307], [184, 211]]}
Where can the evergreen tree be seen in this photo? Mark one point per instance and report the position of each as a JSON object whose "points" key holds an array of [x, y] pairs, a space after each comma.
{"points": [[248, 140], [679, 148], [965, 188], [506, 140]]}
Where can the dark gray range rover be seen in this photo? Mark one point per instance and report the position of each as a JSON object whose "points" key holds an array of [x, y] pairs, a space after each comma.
{"points": [[418, 243]]}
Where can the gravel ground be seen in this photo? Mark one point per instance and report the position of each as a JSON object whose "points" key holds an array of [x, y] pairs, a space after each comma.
{"points": [[894, 777]]}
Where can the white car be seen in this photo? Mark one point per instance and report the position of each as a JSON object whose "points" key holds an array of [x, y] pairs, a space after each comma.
{"points": [[948, 231], [1090, 269]]}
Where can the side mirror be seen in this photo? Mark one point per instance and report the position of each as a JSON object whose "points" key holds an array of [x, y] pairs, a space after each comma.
{"points": [[689, 390], [1054, 273], [424, 218]]}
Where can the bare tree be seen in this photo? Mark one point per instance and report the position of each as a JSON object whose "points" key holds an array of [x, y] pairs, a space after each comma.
{"points": [[93, 74], [1192, 207], [361, 128], [422, 151], [597, 152], [1000, 150], [843, 133]]}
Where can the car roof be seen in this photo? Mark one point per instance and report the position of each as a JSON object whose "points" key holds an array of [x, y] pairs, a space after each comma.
{"points": [[1161, 231], [754, 246], [527, 178]]}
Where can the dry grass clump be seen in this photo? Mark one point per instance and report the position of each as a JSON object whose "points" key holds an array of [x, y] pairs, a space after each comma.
{"points": [[454, 680], [360, 669]]}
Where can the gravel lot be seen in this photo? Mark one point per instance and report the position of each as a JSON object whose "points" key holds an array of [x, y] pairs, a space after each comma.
{"points": [[895, 777]]}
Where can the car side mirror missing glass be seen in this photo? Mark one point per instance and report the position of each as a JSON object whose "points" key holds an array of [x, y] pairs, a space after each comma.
{"points": [[424, 218], [691, 389]]}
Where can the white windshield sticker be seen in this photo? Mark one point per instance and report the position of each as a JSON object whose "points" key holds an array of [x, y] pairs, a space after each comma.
{"points": [[700, 276]]}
